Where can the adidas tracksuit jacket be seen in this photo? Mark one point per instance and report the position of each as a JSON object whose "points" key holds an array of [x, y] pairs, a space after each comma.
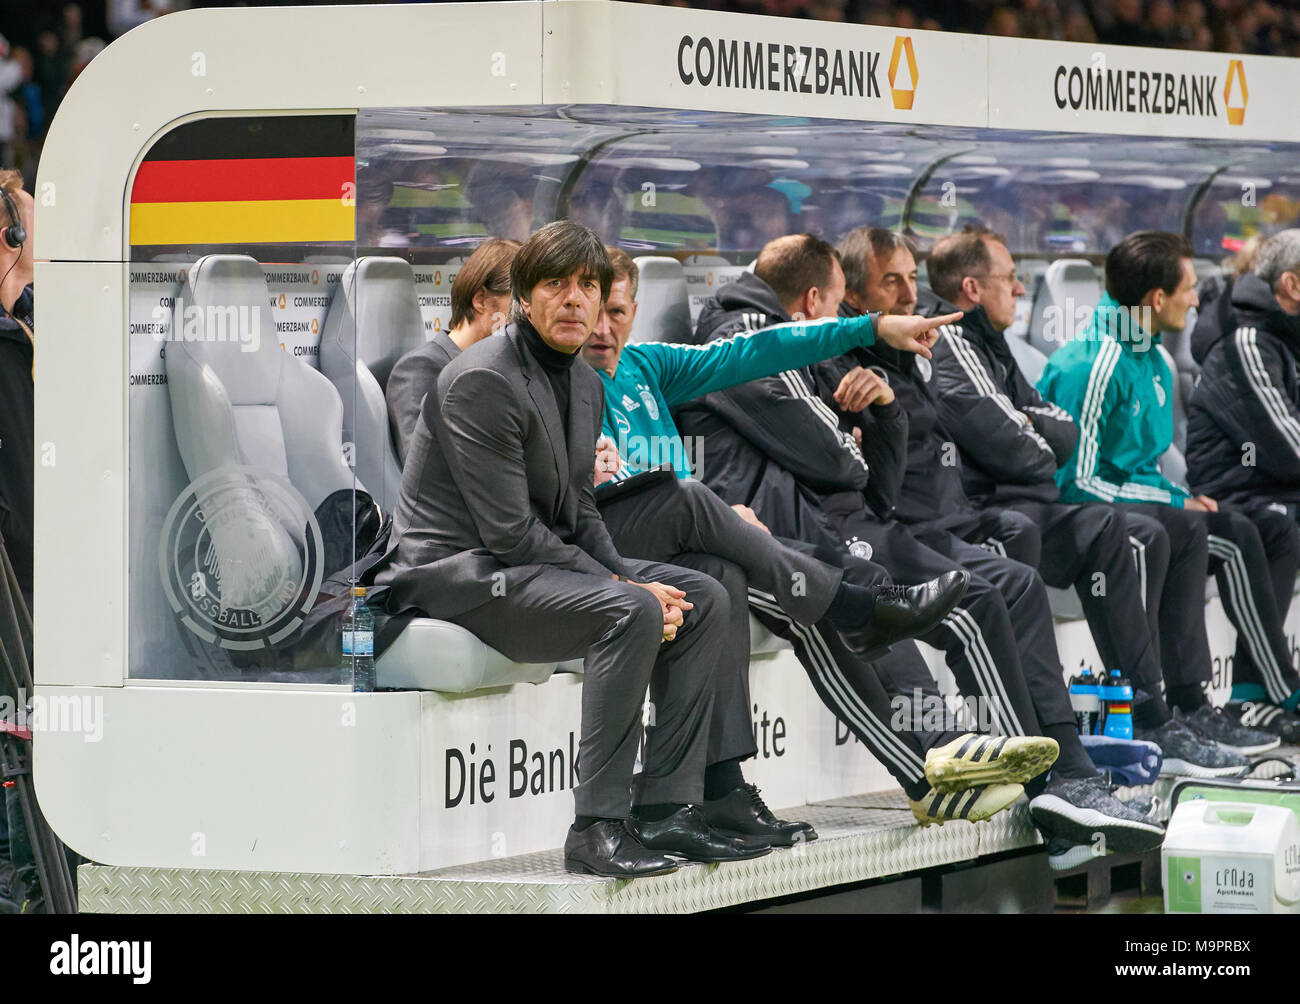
{"points": [[1116, 385], [1011, 443]]}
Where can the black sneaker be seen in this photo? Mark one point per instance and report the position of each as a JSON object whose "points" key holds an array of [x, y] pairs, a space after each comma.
{"points": [[1271, 718], [1188, 755], [1083, 811], [1062, 854], [1210, 723]]}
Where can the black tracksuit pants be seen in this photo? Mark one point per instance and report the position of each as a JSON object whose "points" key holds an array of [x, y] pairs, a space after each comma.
{"points": [[1088, 547], [999, 641], [789, 590], [1280, 539], [1251, 559]]}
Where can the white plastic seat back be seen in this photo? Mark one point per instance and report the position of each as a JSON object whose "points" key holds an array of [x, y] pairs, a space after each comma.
{"points": [[663, 313], [373, 320], [1172, 464], [705, 275], [1066, 297], [237, 398], [1029, 359]]}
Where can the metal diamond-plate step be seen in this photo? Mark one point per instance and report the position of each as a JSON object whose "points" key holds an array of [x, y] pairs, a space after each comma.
{"points": [[862, 837], [874, 839]]}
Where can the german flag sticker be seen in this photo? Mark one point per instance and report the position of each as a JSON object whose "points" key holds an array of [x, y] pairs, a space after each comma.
{"points": [[248, 180]]}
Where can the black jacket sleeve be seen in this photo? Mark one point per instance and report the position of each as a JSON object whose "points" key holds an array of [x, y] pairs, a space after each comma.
{"points": [[786, 421], [982, 420], [884, 435], [884, 444], [1054, 424], [1264, 414]]}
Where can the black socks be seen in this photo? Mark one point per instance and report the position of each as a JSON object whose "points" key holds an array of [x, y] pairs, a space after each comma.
{"points": [[1186, 697], [721, 779], [852, 607], [1149, 710], [1073, 760]]}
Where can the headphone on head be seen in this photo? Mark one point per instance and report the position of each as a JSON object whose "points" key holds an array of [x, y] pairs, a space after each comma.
{"points": [[14, 235]]}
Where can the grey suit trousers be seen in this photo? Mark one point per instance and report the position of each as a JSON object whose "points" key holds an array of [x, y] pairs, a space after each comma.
{"points": [[617, 628], [685, 523]]}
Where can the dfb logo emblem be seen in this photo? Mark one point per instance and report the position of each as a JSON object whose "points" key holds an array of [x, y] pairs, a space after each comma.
{"points": [[860, 549], [230, 569]]}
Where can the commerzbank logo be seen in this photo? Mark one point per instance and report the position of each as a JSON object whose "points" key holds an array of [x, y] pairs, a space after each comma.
{"points": [[1237, 78], [902, 85]]}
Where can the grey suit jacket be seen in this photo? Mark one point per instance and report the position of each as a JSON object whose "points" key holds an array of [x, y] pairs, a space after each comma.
{"points": [[412, 377], [496, 486]]}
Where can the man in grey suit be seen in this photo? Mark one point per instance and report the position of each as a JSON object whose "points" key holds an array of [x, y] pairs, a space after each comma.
{"points": [[497, 530]]}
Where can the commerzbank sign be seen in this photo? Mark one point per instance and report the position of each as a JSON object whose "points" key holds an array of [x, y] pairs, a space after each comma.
{"points": [[1133, 90], [752, 65]]}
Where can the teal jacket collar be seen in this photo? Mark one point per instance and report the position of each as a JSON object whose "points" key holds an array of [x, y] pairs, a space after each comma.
{"points": [[1110, 320]]}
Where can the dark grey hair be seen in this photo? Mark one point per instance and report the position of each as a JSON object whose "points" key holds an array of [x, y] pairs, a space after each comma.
{"points": [[1278, 255], [859, 246]]}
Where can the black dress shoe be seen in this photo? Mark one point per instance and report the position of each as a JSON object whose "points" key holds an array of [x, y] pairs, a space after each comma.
{"points": [[743, 813], [607, 848], [904, 612], [687, 834]]}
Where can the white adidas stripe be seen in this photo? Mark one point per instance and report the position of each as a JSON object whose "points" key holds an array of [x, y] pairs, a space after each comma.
{"points": [[1249, 621], [968, 359], [1140, 559], [1269, 396], [967, 631], [851, 707], [799, 391]]}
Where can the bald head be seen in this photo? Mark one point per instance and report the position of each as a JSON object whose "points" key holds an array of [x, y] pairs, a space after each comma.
{"points": [[804, 272]]}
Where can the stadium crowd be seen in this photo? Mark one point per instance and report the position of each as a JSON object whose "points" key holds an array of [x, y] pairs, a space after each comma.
{"points": [[44, 46]]}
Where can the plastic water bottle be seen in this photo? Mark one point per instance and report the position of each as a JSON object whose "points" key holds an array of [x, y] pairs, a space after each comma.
{"points": [[359, 642], [1116, 695], [1085, 699]]}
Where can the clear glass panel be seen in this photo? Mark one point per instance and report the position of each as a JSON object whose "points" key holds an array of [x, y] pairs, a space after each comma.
{"points": [[1258, 195], [1058, 195], [242, 495], [262, 331]]}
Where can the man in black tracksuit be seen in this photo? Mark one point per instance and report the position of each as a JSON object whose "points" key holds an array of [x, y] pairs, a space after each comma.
{"points": [[778, 447], [1243, 436], [1011, 442]]}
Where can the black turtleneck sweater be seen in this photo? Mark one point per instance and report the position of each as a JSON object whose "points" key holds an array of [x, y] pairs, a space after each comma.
{"points": [[557, 365]]}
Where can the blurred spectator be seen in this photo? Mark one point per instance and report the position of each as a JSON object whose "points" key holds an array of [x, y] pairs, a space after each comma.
{"points": [[123, 15]]}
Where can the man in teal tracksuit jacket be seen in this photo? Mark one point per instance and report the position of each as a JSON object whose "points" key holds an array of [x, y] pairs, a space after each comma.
{"points": [[1114, 380], [643, 382]]}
